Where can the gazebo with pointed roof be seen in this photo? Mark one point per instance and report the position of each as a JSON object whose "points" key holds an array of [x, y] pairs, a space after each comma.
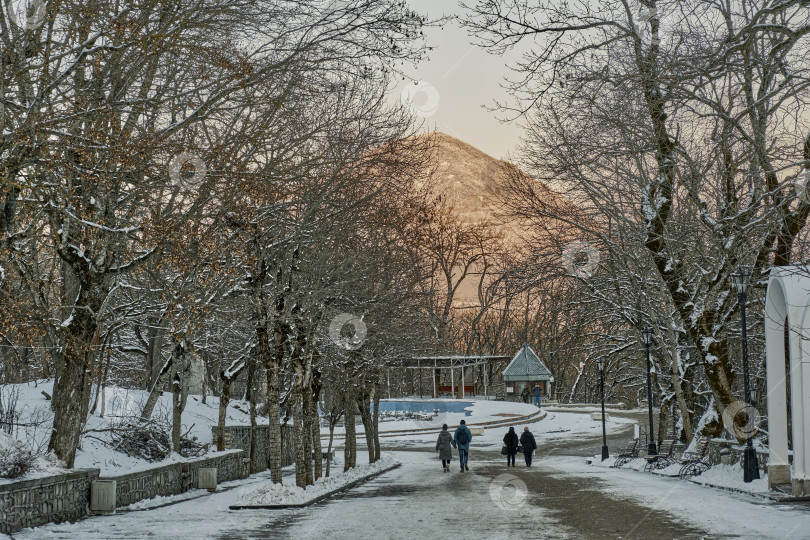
{"points": [[525, 370]]}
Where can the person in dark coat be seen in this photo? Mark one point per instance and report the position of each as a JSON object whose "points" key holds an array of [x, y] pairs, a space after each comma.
{"points": [[529, 445], [444, 446], [510, 440], [525, 394], [461, 440]]}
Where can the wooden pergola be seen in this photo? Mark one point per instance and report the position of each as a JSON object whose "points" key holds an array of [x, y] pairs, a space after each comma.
{"points": [[452, 362]]}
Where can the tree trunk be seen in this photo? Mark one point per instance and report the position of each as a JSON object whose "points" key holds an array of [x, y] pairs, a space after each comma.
{"points": [[177, 411], [68, 390], [309, 443], [274, 455], [224, 399], [298, 424], [179, 389], [680, 398], [375, 423], [306, 414], [315, 423], [98, 384], [329, 448], [104, 387], [157, 389], [254, 435], [349, 446], [364, 403], [272, 358]]}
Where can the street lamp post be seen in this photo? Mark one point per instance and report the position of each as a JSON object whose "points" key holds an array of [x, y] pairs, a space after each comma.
{"points": [[646, 335], [601, 363], [750, 461]]}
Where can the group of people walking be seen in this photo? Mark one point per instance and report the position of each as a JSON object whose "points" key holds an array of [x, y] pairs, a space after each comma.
{"points": [[462, 438]]}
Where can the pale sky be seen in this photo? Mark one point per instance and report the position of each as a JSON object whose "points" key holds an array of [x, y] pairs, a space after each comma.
{"points": [[465, 79]]}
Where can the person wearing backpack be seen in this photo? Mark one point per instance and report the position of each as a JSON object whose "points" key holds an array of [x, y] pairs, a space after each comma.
{"points": [[462, 438], [529, 445], [444, 446]]}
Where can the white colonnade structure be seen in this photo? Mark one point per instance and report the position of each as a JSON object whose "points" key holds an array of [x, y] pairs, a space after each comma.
{"points": [[787, 310]]}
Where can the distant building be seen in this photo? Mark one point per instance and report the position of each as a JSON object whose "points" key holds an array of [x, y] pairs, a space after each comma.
{"points": [[524, 371]]}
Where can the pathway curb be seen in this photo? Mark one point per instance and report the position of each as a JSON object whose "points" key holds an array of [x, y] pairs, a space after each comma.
{"points": [[534, 417], [317, 499]]}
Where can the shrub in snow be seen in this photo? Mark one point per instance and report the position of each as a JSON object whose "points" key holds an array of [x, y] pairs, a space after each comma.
{"points": [[16, 460], [151, 441]]}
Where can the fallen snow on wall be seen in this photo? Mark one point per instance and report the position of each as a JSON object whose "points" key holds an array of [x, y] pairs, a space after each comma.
{"points": [[279, 494]]}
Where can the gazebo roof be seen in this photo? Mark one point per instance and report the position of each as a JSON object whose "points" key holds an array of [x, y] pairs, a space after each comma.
{"points": [[526, 366]]}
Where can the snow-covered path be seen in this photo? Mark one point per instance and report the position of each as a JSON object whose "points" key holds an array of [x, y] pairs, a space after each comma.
{"points": [[559, 497]]}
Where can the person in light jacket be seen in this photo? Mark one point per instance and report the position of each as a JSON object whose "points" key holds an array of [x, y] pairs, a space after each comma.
{"points": [[510, 440], [444, 446], [529, 445]]}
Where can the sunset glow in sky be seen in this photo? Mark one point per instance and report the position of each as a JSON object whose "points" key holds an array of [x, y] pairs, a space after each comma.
{"points": [[466, 79]]}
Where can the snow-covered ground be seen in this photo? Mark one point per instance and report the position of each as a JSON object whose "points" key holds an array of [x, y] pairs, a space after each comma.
{"points": [[478, 411], [198, 419], [269, 493], [720, 512], [121, 403], [723, 476], [40, 466], [417, 500], [555, 426]]}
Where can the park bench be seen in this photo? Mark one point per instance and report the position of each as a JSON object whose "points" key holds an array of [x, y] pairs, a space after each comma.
{"points": [[630, 452], [697, 462], [664, 458]]}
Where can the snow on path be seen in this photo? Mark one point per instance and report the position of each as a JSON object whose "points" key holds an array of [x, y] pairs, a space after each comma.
{"points": [[556, 426], [479, 410], [720, 512], [407, 503], [419, 501]]}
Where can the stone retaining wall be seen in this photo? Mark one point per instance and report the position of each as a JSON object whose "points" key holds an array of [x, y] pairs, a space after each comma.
{"points": [[136, 486], [175, 478], [30, 503], [239, 437], [230, 465]]}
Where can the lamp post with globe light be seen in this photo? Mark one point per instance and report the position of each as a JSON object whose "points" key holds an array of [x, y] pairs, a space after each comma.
{"points": [[646, 336], [750, 461], [601, 363]]}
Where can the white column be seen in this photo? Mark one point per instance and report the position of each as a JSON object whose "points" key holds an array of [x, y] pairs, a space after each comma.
{"points": [[453, 381], [486, 381], [419, 371], [462, 381], [776, 309], [797, 403], [803, 432], [433, 378]]}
